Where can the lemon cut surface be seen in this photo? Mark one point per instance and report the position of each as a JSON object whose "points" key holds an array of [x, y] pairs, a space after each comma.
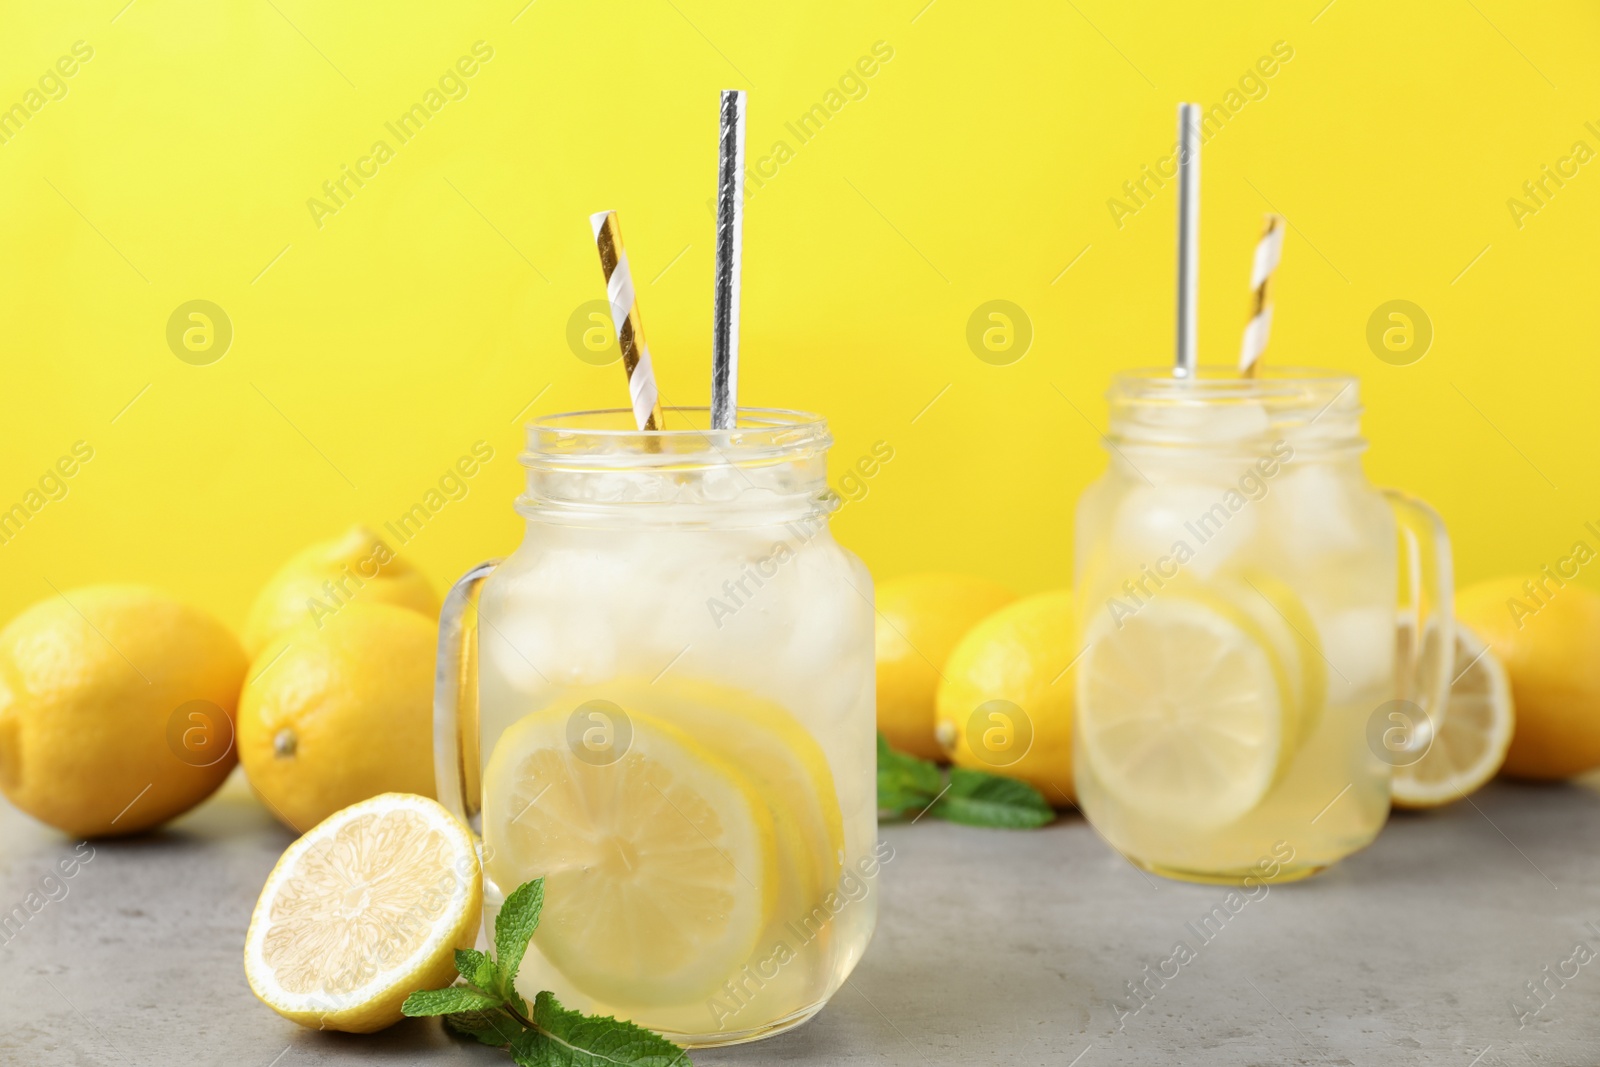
{"points": [[1473, 740], [365, 909]]}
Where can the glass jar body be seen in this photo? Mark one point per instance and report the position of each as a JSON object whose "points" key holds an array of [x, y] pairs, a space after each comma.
{"points": [[1200, 555], [724, 615]]}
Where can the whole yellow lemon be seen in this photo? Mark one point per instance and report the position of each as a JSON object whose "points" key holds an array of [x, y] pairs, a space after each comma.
{"points": [[1548, 640], [920, 619], [116, 708], [1007, 698], [337, 713], [357, 567]]}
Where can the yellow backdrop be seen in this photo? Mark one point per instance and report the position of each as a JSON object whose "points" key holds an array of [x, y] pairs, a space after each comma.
{"points": [[386, 214]]}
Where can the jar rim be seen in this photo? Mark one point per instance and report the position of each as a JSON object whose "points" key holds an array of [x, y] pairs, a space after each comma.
{"points": [[1223, 382], [1218, 410], [609, 437]]}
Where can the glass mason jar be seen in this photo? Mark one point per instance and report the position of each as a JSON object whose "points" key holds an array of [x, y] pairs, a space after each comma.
{"points": [[662, 703], [1246, 685]]}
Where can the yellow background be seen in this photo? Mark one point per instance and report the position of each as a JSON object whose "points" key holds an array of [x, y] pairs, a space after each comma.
{"points": [[432, 310]]}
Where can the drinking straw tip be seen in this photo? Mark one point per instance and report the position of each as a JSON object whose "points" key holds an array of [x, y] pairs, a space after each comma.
{"points": [[622, 297], [1269, 251]]}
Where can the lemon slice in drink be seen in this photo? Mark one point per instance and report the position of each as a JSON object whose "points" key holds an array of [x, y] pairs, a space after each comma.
{"points": [[1186, 711], [365, 909], [1475, 735], [1287, 623], [788, 768], [782, 761], [658, 856]]}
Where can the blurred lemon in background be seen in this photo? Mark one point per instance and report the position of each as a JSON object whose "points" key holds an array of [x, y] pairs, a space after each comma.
{"points": [[316, 583], [116, 708], [1006, 702], [339, 713], [920, 619], [1549, 642]]}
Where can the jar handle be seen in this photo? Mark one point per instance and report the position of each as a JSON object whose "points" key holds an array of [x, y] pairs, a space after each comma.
{"points": [[455, 697], [1426, 641]]}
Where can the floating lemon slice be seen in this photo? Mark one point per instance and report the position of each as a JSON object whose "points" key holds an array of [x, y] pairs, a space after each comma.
{"points": [[781, 760], [659, 860], [1286, 621], [365, 909], [1471, 745], [1186, 711]]}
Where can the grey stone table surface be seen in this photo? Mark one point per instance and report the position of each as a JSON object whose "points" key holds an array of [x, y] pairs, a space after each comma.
{"points": [[992, 947]]}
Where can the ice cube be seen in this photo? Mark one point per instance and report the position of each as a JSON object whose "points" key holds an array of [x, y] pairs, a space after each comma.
{"points": [[719, 484], [1359, 644], [1319, 512], [1159, 525]]}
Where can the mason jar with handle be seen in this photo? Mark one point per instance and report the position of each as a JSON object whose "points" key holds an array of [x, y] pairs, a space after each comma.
{"points": [[1246, 684], [662, 704]]}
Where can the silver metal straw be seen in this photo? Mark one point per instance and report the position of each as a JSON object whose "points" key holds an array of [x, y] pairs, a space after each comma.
{"points": [[1188, 239], [730, 226]]}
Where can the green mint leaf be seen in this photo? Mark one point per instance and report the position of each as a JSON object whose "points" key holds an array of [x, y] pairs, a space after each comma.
{"points": [[893, 803], [529, 1049], [494, 1028], [905, 783], [476, 967], [974, 798], [513, 929], [571, 1039], [977, 798], [447, 1001], [908, 771]]}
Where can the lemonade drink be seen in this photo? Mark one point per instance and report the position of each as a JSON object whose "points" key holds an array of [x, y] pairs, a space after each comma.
{"points": [[675, 675], [1237, 578]]}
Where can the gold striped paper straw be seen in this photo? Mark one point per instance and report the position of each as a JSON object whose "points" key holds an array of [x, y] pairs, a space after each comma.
{"points": [[1269, 250], [625, 318]]}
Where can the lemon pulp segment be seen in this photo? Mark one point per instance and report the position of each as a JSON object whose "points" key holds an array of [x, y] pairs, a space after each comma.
{"points": [[660, 865], [363, 910], [1186, 710], [1476, 733]]}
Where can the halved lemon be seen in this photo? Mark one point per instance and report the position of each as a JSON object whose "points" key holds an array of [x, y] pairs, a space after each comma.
{"points": [[1186, 711], [660, 863], [1473, 740], [365, 909]]}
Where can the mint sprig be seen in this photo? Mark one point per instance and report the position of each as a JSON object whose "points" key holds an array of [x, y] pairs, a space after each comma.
{"points": [[908, 786], [573, 1039], [513, 929], [488, 1008]]}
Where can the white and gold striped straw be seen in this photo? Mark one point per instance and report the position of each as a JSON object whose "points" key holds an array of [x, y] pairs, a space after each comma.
{"points": [[1268, 251], [625, 318]]}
